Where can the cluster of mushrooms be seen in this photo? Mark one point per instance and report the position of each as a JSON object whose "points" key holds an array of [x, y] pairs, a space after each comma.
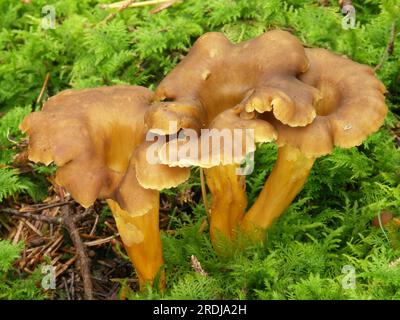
{"points": [[305, 100]]}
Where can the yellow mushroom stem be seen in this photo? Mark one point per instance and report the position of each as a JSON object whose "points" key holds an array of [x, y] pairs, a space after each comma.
{"points": [[141, 238], [229, 201], [287, 178]]}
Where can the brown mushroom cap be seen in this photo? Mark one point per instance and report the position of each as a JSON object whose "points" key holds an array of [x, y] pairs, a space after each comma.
{"points": [[352, 105], [91, 135], [156, 176], [228, 140], [216, 75]]}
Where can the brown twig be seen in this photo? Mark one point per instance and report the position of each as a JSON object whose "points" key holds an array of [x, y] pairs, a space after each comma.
{"points": [[389, 47], [197, 266], [44, 86], [120, 9], [99, 241], [37, 217], [83, 259], [65, 266], [43, 218], [66, 288], [131, 5], [48, 206], [163, 6], [18, 233]]}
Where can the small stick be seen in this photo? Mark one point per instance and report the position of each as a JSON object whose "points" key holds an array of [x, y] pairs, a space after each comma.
{"points": [[43, 218], [72, 287], [197, 266], [17, 235], [65, 266], [46, 80], [131, 5], [163, 6], [66, 288], [389, 47], [204, 192], [120, 9], [110, 226], [38, 217], [33, 228], [5, 225], [83, 259], [56, 243], [99, 241], [48, 206], [94, 225]]}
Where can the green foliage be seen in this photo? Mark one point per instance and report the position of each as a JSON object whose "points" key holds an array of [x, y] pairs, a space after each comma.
{"points": [[328, 225], [10, 183], [195, 286], [12, 285]]}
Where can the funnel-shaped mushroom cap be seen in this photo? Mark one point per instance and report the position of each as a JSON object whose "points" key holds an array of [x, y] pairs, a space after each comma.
{"points": [[261, 74], [228, 140], [352, 105], [91, 135]]}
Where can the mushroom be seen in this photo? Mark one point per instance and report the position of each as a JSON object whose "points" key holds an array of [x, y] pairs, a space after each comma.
{"points": [[314, 99], [217, 75], [96, 137], [221, 150], [352, 106]]}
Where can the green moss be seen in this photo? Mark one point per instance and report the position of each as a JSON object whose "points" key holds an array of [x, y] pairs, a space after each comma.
{"points": [[13, 286], [328, 225]]}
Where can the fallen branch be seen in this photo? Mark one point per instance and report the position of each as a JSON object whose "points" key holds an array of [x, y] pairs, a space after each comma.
{"points": [[389, 47], [42, 218], [37, 217], [83, 259]]}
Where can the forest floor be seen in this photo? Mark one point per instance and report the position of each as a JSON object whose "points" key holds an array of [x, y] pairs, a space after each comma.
{"points": [[330, 226]]}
